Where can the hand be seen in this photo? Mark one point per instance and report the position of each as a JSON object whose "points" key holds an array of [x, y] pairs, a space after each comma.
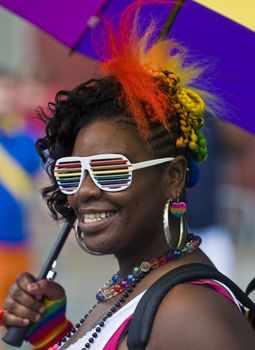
{"points": [[24, 302]]}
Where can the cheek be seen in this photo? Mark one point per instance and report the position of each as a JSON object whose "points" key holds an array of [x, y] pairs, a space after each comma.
{"points": [[146, 200], [149, 185], [71, 201]]}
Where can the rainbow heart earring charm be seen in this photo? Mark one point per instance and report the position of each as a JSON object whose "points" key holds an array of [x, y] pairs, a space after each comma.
{"points": [[178, 209]]}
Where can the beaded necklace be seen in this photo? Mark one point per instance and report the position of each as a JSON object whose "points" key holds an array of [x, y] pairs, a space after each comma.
{"points": [[116, 286], [125, 286]]}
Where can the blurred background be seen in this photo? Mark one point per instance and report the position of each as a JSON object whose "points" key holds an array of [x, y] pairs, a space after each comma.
{"points": [[33, 66]]}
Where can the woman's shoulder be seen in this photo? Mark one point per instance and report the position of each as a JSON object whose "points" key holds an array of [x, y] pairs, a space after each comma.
{"points": [[200, 317]]}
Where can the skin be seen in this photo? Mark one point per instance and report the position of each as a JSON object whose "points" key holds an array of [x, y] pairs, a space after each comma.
{"points": [[133, 222], [189, 316]]}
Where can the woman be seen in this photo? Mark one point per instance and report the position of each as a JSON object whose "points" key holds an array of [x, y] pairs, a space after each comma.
{"points": [[120, 151]]}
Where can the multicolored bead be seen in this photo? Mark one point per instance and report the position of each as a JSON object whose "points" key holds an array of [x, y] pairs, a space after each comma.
{"points": [[154, 263], [116, 285], [145, 266]]}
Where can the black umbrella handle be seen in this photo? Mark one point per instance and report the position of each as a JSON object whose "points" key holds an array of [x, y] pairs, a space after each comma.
{"points": [[170, 20], [16, 334]]}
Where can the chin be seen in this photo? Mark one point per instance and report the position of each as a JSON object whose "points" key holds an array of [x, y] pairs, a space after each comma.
{"points": [[100, 245]]}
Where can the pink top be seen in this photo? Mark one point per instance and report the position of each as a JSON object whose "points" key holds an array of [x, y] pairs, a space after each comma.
{"points": [[114, 341]]}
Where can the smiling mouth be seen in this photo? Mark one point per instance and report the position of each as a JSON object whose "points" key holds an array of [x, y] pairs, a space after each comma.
{"points": [[91, 218]]}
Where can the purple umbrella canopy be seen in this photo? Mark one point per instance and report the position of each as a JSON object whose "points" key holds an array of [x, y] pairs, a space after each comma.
{"points": [[206, 34]]}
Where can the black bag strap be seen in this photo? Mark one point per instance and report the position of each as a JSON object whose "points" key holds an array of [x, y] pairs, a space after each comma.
{"points": [[251, 287], [142, 321]]}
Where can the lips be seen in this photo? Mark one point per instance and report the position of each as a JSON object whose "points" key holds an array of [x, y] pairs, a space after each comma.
{"points": [[92, 222], [90, 218]]}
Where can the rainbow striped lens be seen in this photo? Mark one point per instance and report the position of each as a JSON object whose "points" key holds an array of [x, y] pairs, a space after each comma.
{"points": [[68, 175], [109, 172]]}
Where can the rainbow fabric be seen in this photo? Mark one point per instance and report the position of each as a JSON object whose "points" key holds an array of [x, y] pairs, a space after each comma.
{"points": [[53, 326]]}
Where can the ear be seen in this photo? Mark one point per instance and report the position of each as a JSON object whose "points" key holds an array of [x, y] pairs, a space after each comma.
{"points": [[175, 176]]}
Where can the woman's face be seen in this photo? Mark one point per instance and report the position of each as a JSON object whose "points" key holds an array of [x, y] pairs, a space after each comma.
{"points": [[119, 221]]}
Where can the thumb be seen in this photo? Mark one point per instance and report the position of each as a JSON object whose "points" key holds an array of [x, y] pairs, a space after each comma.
{"points": [[47, 288]]}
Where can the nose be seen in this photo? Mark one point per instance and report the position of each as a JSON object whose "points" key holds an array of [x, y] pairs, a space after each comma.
{"points": [[88, 189]]}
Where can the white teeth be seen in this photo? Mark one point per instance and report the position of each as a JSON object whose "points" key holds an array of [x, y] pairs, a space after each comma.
{"points": [[95, 217]]}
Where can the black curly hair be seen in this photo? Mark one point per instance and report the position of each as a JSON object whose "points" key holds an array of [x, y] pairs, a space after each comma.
{"points": [[93, 100]]}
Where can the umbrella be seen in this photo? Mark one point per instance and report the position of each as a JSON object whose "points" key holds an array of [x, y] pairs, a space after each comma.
{"points": [[206, 33]]}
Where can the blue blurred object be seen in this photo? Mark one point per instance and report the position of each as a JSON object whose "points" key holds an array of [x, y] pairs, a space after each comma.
{"points": [[13, 225], [202, 199]]}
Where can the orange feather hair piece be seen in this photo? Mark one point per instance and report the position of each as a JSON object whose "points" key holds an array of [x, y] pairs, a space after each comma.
{"points": [[128, 55]]}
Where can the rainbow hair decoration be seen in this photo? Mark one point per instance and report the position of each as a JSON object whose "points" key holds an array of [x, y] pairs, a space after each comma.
{"points": [[155, 83]]}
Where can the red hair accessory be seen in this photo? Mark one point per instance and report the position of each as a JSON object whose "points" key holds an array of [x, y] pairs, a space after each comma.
{"points": [[154, 81], [126, 62]]}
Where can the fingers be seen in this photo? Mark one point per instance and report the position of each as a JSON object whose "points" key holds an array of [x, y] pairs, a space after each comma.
{"points": [[12, 320], [16, 311], [20, 304], [19, 296], [29, 285], [24, 302], [47, 288], [24, 279]]}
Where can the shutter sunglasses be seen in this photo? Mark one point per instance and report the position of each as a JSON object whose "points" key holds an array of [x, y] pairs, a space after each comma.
{"points": [[109, 172]]}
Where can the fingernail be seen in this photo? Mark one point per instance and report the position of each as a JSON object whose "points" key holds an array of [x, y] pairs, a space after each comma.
{"points": [[41, 310], [33, 286], [37, 318], [25, 322]]}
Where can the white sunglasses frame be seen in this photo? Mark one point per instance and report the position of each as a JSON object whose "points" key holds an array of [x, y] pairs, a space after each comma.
{"points": [[85, 166]]}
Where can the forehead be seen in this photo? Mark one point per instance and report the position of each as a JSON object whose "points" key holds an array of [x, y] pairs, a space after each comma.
{"points": [[102, 137]]}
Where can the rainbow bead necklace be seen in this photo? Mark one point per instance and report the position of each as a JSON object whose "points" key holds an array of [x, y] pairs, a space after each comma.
{"points": [[116, 285]]}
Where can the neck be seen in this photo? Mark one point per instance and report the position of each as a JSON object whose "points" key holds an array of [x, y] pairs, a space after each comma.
{"points": [[128, 276], [139, 253], [143, 250]]}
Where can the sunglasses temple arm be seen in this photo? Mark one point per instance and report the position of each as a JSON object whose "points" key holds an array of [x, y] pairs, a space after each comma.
{"points": [[152, 162], [15, 334]]}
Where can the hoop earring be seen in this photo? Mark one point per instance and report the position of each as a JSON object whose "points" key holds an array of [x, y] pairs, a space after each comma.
{"points": [[79, 235], [182, 223]]}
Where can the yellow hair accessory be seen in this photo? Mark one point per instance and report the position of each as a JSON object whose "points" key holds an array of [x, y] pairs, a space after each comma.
{"points": [[191, 100]]}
